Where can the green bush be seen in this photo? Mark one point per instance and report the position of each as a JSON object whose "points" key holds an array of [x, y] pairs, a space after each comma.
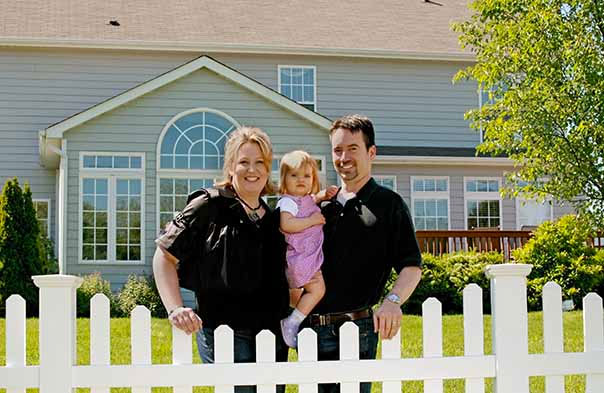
{"points": [[20, 252], [559, 252], [445, 277], [140, 291], [93, 284]]}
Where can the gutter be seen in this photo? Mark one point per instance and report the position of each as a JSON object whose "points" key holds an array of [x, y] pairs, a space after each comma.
{"points": [[179, 46]]}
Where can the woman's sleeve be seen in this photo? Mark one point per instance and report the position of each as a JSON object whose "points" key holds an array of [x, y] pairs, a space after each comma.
{"points": [[180, 237]]}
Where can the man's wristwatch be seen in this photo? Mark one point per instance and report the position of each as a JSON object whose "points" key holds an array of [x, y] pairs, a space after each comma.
{"points": [[394, 298]]}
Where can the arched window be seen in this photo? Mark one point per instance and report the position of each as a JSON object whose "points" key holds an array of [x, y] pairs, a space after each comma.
{"points": [[190, 156]]}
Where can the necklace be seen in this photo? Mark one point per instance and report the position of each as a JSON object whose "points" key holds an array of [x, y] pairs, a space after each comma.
{"points": [[253, 214]]}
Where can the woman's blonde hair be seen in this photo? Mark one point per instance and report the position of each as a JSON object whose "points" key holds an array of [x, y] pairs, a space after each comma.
{"points": [[238, 138], [296, 160]]}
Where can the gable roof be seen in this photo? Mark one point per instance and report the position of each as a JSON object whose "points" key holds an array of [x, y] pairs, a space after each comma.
{"points": [[57, 130], [388, 28]]}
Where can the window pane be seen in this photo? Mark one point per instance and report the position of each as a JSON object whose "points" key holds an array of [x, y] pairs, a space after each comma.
{"points": [[418, 185], [180, 202], [41, 209], [101, 236], [122, 162], [472, 209], [135, 162], [309, 94], [135, 236], [87, 219], [430, 223], [102, 186], [135, 187], [483, 222], [121, 236], [494, 208], [472, 223], [309, 76], [286, 91], [471, 186], [88, 236], [494, 222], [441, 185], [164, 219], [101, 220], [443, 223], [166, 186], [419, 208], [483, 208], [121, 220], [429, 185], [297, 75], [88, 252], [286, 76], [88, 186], [493, 185], [121, 253], [166, 162], [135, 220], [181, 162], [122, 187], [420, 223], [166, 204], [181, 186], [122, 203], [101, 253], [297, 93], [481, 186], [442, 208], [430, 208], [134, 253], [104, 161], [89, 161], [135, 204]]}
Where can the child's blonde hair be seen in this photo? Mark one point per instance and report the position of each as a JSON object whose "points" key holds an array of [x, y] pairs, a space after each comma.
{"points": [[296, 160]]}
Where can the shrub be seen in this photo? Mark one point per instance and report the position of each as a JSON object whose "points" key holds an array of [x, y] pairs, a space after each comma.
{"points": [[20, 251], [93, 284], [559, 252], [445, 277], [140, 291]]}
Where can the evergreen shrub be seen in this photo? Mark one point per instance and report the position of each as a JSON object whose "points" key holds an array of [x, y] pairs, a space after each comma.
{"points": [[20, 248], [559, 252]]}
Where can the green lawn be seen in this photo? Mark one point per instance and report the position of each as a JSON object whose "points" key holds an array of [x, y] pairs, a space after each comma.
{"points": [[412, 339]]}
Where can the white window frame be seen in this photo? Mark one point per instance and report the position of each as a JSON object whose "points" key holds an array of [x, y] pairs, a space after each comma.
{"points": [[47, 200], [481, 196], [314, 68], [111, 175], [197, 174], [431, 195], [388, 177]]}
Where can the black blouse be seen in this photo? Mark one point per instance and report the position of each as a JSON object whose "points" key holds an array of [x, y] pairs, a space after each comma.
{"points": [[235, 266]]}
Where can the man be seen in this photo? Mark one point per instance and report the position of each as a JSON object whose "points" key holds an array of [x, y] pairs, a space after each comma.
{"points": [[368, 232]]}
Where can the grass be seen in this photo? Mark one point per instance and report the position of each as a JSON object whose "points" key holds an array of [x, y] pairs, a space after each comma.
{"points": [[412, 347]]}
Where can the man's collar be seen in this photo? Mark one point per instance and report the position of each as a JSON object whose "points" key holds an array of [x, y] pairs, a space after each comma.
{"points": [[367, 190]]}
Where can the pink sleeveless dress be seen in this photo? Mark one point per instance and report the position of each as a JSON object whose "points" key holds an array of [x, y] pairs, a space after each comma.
{"points": [[304, 249]]}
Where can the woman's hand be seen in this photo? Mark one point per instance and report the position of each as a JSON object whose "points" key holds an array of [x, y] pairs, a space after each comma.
{"points": [[185, 319]]}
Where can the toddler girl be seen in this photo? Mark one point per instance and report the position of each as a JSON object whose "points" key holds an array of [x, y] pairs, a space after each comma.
{"points": [[301, 222]]}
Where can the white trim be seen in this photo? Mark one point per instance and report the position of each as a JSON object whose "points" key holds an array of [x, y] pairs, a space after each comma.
{"points": [[57, 130], [180, 46], [47, 200], [449, 161], [62, 213], [482, 196], [431, 195], [111, 175], [387, 177], [519, 200], [310, 67]]}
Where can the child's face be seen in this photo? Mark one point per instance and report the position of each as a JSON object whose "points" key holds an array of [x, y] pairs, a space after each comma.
{"points": [[298, 182]]}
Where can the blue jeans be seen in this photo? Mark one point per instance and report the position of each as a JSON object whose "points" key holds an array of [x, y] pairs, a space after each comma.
{"points": [[245, 351], [329, 348]]}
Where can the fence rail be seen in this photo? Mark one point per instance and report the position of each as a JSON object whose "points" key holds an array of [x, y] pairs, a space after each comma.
{"points": [[510, 365]]}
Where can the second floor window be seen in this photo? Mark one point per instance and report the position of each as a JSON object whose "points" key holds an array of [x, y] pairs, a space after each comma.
{"points": [[299, 84]]}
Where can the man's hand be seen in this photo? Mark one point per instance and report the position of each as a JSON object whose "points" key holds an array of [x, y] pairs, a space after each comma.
{"points": [[387, 319], [185, 319]]}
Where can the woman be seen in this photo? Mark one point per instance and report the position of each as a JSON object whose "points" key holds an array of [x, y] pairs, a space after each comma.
{"points": [[228, 248]]}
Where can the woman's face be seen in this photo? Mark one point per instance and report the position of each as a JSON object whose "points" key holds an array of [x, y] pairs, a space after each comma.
{"points": [[249, 173]]}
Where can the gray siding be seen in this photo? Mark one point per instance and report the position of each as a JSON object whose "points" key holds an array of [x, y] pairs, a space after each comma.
{"points": [[136, 127], [456, 187]]}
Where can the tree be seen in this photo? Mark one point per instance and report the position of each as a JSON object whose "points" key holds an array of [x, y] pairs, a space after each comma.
{"points": [[19, 245], [542, 62]]}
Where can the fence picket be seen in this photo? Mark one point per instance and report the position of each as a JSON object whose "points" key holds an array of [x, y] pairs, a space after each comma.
{"points": [[349, 350], [181, 354], [391, 349], [473, 329], [140, 335], [593, 329], [224, 352], [432, 338], [553, 339], [265, 353], [15, 335], [99, 334], [307, 352]]}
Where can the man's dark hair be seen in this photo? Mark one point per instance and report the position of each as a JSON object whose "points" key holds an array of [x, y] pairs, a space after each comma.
{"points": [[354, 124]]}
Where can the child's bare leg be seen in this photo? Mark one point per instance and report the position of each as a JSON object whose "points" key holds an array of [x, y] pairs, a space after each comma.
{"points": [[294, 296], [313, 293]]}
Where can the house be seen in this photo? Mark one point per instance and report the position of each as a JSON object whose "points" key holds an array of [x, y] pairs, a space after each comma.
{"points": [[113, 111]]}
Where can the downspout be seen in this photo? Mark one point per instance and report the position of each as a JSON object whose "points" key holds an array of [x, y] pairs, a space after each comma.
{"points": [[61, 213]]}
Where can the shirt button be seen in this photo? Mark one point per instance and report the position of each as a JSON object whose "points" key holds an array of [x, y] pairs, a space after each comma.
{"points": [[341, 214]]}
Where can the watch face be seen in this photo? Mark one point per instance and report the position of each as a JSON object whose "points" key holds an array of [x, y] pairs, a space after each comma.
{"points": [[394, 298]]}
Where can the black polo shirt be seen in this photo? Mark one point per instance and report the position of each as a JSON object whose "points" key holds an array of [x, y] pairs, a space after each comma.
{"points": [[364, 240]]}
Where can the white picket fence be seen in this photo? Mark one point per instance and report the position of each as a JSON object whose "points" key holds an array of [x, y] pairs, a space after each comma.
{"points": [[510, 365]]}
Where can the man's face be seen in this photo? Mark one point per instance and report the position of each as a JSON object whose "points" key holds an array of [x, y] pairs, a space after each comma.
{"points": [[350, 156]]}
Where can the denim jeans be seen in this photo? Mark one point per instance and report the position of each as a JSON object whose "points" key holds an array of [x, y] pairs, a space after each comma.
{"points": [[329, 348], [245, 351]]}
